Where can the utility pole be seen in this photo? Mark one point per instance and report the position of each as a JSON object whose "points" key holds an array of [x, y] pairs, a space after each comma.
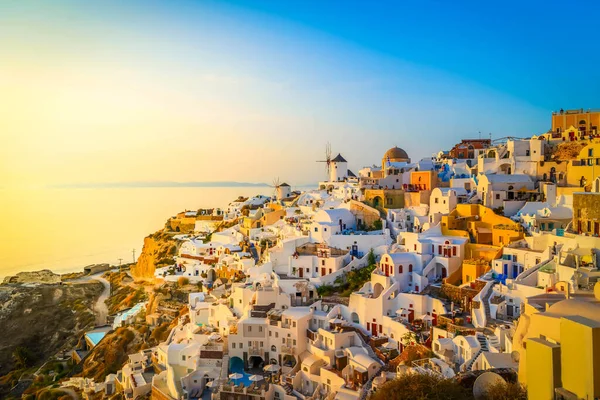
{"points": [[120, 262], [133, 252]]}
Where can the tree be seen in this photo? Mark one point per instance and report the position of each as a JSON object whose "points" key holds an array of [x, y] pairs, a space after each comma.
{"points": [[23, 357], [409, 338], [422, 387], [377, 225], [506, 391], [371, 259], [182, 281]]}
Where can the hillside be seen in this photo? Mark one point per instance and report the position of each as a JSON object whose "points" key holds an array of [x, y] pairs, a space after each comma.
{"points": [[38, 322]]}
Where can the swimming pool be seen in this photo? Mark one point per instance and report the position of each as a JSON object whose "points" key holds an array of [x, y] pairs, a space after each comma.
{"points": [[95, 337], [236, 365]]}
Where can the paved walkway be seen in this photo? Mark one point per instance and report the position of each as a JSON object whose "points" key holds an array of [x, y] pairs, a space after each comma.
{"points": [[100, 308]]}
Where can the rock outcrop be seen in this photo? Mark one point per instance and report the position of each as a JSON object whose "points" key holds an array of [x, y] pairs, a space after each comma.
{"points": [[158, 251], [43, 276]]}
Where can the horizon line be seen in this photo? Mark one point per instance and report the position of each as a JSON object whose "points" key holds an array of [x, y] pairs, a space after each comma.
{"points": [[160, 184]]}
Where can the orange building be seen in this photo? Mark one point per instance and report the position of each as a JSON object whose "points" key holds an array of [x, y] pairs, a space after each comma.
{"points": [[423, 180], [469, 148], [586, 122]]}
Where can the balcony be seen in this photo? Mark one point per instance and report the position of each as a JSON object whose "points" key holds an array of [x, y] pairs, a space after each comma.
{"points": [[288, 350], [256, 351]]}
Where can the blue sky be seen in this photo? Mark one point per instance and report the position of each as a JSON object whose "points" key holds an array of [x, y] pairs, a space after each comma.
{"points": [[248, 90]]}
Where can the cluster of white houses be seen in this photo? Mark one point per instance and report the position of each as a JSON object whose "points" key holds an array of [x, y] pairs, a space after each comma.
{"points": [[447, 267]]}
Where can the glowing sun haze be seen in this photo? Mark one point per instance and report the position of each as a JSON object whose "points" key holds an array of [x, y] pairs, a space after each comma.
{"points": [[202, 91]]}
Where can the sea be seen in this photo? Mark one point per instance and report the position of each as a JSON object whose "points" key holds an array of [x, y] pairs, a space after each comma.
{"points": [[65, 229]]}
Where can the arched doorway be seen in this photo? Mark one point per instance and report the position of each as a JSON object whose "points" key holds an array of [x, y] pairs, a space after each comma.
{"points": [[377, 201], [256, 362], [377, 289], [354, 318], [211, 275]]}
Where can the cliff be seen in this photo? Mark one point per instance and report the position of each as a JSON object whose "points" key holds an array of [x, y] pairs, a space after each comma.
{"points": [[44, 319], [159, 249]]}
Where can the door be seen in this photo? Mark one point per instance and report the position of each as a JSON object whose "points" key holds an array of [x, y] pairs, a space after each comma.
{"points": [[596, 228], [434, 319], [411, 315], [323, 272], [301, 272], [443, 272], [374, 329]]}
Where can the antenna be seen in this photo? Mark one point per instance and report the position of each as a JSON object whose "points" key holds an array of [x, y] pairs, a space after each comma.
{"points": [[133, 252]]}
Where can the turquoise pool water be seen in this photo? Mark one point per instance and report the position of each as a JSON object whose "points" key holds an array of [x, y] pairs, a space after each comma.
{"points": [[236, 364], [95, 337]]}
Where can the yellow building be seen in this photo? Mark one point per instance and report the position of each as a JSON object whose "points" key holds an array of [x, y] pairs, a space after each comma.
{"points": [[473, 269], [582, 171], [384, 199], [584, 121], [560, 348], [482, 225], [263, 217]]}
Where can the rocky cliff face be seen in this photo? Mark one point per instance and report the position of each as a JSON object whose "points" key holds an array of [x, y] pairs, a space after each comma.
{"points": [[43, 276], [159, 249], [44, 319]]}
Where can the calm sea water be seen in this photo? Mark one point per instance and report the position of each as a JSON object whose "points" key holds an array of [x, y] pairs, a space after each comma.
{"points": [[67, 229]]}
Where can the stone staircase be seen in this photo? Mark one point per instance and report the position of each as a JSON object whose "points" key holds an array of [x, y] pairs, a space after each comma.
{"points": [[486, 304], [288, 388], [484, 347]]}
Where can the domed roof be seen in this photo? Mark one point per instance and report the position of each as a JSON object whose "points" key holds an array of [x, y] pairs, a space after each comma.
{"points": [[395, 153]]}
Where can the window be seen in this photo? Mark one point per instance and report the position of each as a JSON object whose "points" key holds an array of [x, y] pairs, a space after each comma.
{"points": [[294, 324], [437, 200], [454, 250], [283, 340], [241, 345], [249, 343], [323, 262], [260, 328], [316, 229], [294, 342], [233, 345], [590, 152], [330, 270], [270, 333], [262, 344], [409, 267], [497, 196], [324, 229], [400, 269], [415, 247], [527, 152], [250, 328], [439, 249]]}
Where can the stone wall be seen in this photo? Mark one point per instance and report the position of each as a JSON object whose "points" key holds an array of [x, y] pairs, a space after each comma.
{"points": [[586, 208]]}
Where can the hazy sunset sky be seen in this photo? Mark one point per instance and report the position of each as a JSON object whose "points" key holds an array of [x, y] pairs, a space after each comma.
{"points": [[209, 91]]}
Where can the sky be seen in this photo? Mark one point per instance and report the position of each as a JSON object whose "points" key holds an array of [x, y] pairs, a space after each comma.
{"points": [[112, 91]]}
